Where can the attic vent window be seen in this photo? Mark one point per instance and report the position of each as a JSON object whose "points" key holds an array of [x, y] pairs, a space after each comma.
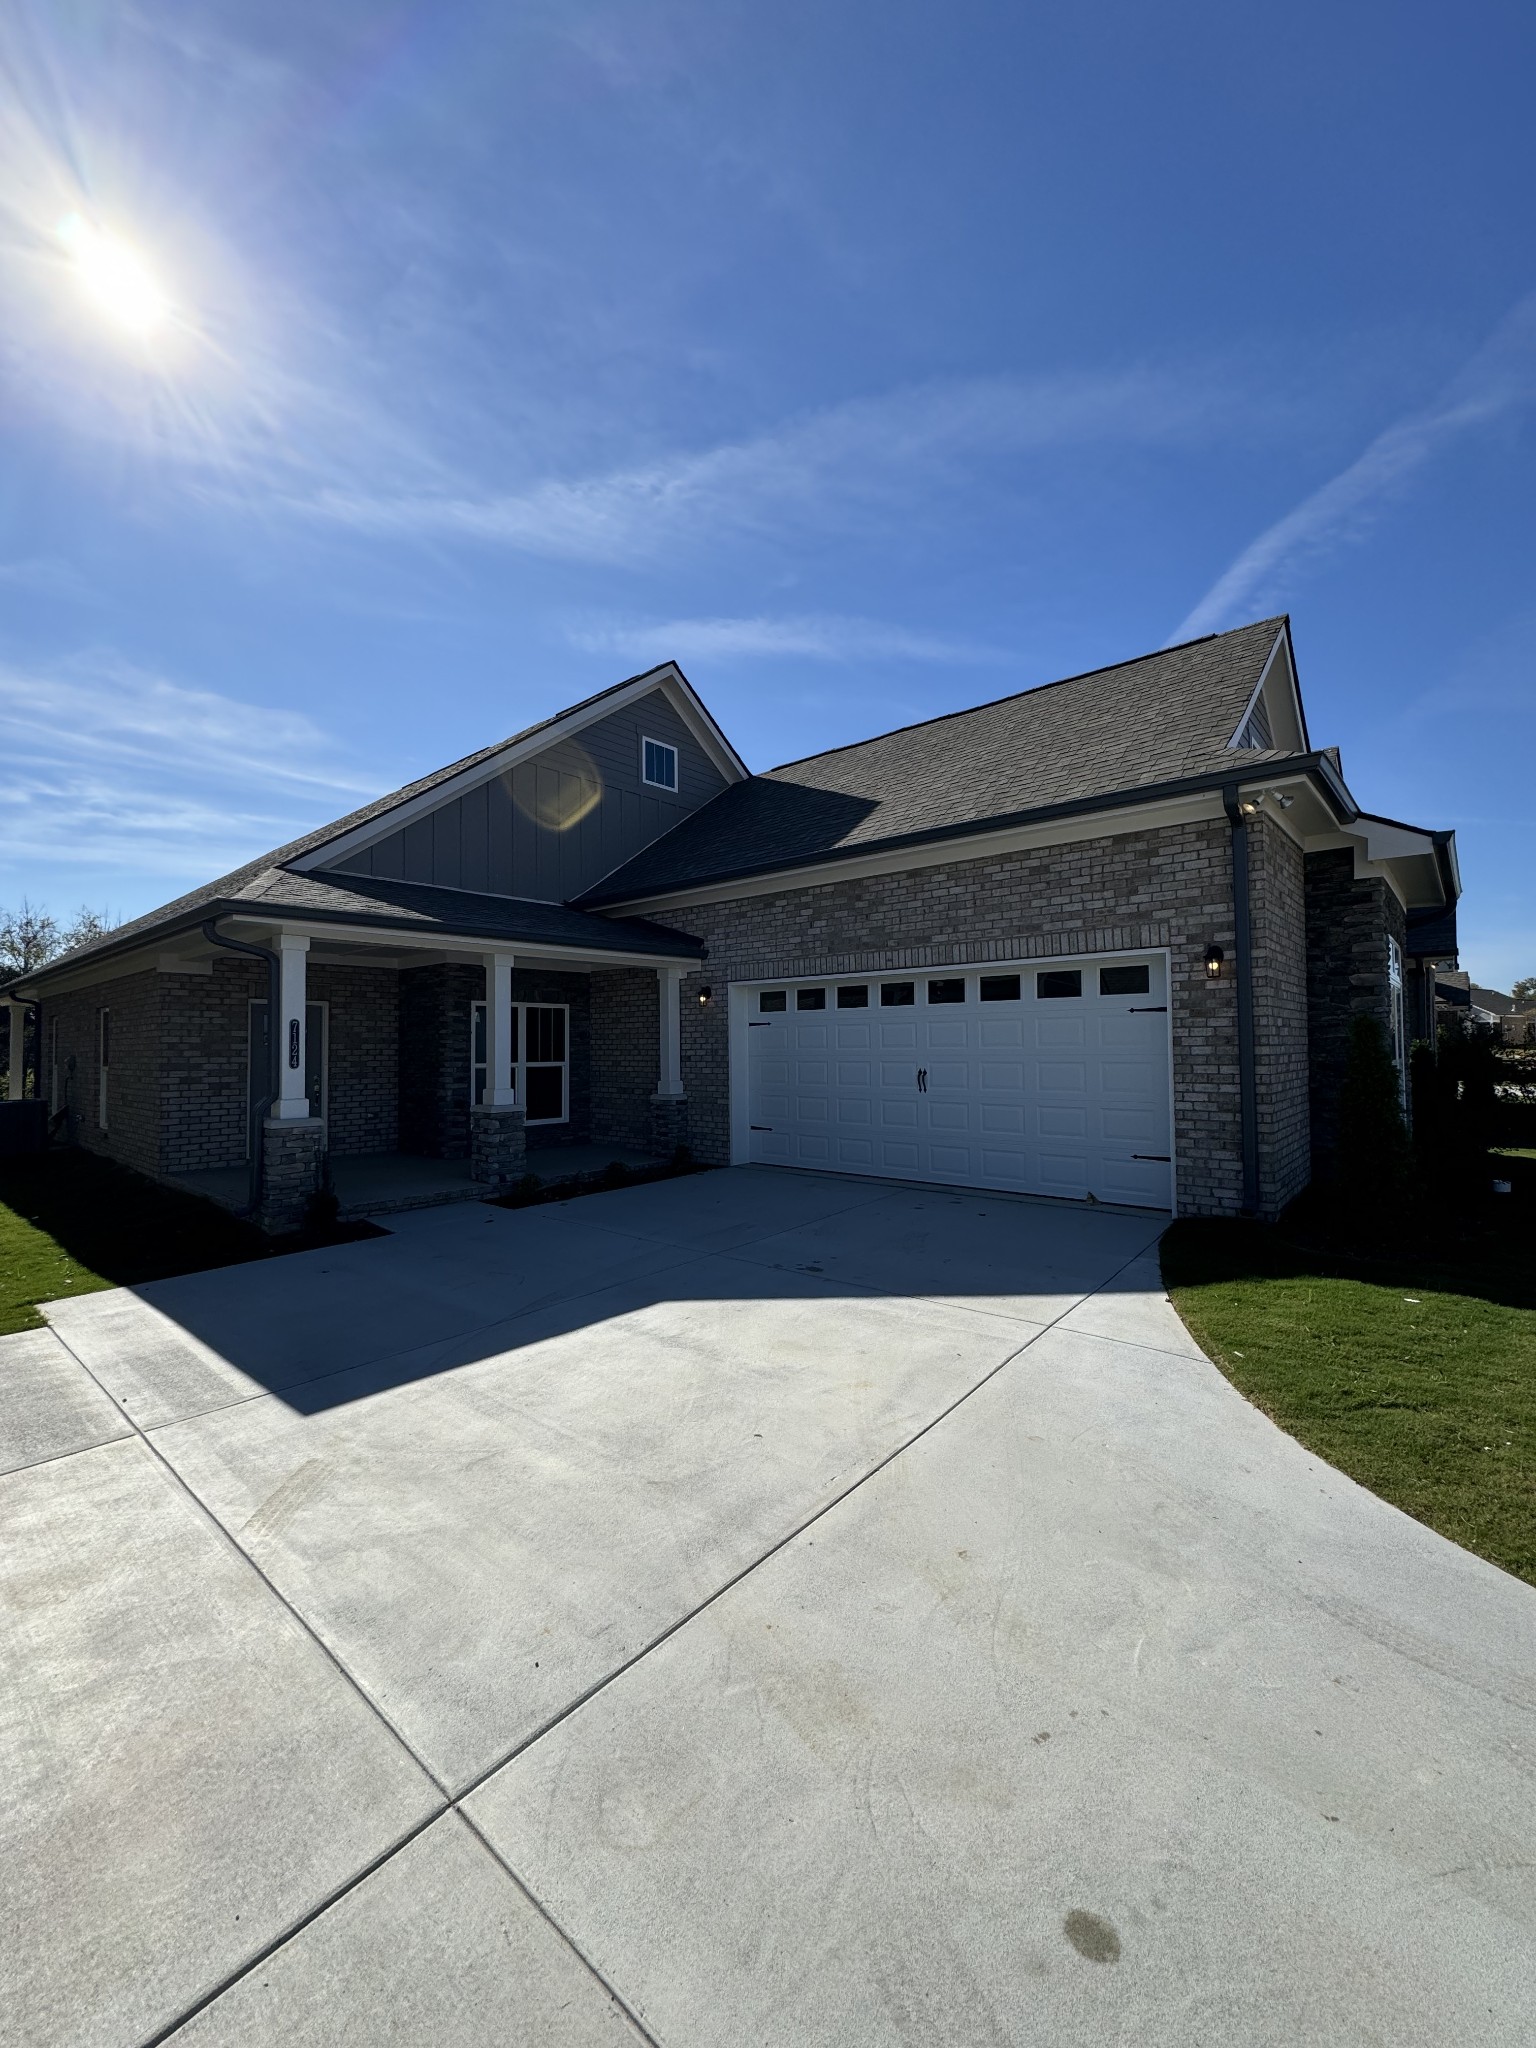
{"points": [[658, 764], [1255, 731]]}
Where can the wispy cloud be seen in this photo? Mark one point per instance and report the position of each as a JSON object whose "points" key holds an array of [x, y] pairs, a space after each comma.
{"points": [[866, 462], [102, 763], [1499, 381], [816, 637]]}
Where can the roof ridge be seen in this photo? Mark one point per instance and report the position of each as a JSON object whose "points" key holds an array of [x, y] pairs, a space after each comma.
{"points": [[1033, 690]]}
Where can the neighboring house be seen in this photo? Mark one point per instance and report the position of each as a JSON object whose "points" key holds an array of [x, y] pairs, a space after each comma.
{"points": [[1102, 939]]}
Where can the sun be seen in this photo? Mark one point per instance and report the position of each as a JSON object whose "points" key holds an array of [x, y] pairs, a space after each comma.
{"points": [[114, 277]]}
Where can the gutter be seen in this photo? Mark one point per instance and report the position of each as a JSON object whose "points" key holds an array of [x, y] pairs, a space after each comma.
{"points": [[258, 1115], [1247, 1079]]}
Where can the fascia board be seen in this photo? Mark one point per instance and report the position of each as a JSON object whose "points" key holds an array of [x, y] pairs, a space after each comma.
{"points": [[669, 679], [308, 925]]}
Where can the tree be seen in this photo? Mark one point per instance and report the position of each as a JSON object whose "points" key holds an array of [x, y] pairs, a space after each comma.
{"points": [[30, 938], [1524, 992]]}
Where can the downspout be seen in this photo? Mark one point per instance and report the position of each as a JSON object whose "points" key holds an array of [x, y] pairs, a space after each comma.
{"points": [[258, 1116], [1247, 1082]]}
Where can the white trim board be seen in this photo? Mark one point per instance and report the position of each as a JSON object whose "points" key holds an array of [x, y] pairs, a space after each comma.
{"points": [[669, 679]]}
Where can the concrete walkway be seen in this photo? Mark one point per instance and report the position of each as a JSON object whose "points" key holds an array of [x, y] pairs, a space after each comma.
{"points": [[757, 1608]]}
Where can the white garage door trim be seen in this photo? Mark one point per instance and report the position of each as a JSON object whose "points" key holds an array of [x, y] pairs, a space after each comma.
{"points": [[1106, 1173]]}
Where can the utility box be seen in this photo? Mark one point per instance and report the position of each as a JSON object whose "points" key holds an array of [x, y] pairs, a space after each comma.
{"points": [[23, 1127]]}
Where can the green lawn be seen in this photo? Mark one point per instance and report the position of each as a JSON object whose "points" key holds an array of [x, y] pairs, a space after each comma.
{"points": [[71, 1223], [1412, 1369]]}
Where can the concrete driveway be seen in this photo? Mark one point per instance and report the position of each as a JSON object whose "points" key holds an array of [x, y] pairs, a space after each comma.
{"points": [[758, 1608]]}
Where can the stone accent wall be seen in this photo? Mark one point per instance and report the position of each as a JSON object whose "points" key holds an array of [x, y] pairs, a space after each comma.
{"points": [[291, 1156], [669, 1125], [1348, 975], [1277, 894], [498, 1152], [1167, 888], [626, 1055], [363, 1056]]}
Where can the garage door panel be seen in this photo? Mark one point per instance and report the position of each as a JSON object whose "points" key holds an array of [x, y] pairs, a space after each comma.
{"points": [[1000, 1076], [1056, 1121], [1055, 1095], [1061, 1077], [1052, 1031]]}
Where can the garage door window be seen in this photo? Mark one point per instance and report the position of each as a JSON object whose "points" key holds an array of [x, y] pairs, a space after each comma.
{"points": [[897, 995], [1124, 981], [772, 1000], [999, 988], [1060, 981], [853, 999], [947, 991], [810, 999]]}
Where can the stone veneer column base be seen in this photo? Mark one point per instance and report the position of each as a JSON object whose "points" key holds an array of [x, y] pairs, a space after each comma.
{"points": [[292, 1165], [498, 1146], [669, 1124]]}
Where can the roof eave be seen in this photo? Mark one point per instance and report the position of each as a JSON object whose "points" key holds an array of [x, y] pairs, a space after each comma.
{"points": [[974, 828]]}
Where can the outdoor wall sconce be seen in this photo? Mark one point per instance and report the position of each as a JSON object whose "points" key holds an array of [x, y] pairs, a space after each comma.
{"points": [[1213, 959], [704, 996]]}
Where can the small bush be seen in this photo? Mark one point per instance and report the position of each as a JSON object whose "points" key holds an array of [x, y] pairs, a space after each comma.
{"points": [[1372, 1164]]}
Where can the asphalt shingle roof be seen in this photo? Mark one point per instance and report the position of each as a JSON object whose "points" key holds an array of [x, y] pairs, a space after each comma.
{"points": [[1162, 718]]}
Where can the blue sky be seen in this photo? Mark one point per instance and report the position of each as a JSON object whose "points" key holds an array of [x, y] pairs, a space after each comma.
{"points": [[871, 359]]}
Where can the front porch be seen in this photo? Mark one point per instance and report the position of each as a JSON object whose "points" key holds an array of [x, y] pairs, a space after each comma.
{"points": [[384, 1183], [405, 1076]]}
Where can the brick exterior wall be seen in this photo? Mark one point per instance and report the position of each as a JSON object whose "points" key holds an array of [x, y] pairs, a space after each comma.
{"points": [[626, 1046], [204, 1083], [362, 1055], [435, 1006], [1166, 888], [1348, 975], [135, 1070], [1277, 894]]}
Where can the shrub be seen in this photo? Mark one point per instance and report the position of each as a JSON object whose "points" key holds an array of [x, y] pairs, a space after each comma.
{"points": [[1372, 1162]]}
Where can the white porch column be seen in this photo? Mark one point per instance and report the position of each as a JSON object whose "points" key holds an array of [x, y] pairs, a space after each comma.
{"points": [[293, 957], [499, 1092], [669, 992], [17, 1070]]}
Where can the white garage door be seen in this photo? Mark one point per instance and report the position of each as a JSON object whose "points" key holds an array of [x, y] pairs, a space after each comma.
{"points": [[1049, 1079]]}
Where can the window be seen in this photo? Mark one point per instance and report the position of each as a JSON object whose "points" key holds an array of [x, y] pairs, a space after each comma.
{"points": [[103, 1060], [771, 1000], [853, 999], [540, 1058], [1059, 981], [810, 999], [658, 764], [947, 991], [897, 995], [1125, 981], [55, 1103], [999, 988]]}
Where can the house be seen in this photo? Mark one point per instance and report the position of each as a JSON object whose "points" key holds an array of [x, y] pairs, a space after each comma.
{"points": [[1101, 939]]}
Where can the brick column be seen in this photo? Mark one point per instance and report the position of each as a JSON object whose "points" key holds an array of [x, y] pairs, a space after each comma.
{"points": [[669, 1125], [292, 1161], [498, 1153]]}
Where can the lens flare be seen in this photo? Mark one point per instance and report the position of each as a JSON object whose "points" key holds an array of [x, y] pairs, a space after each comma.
{"points": [[113, 276]]}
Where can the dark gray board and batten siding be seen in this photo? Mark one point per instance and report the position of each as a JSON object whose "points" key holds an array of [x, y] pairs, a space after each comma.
{"points": [[555, 824]]}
